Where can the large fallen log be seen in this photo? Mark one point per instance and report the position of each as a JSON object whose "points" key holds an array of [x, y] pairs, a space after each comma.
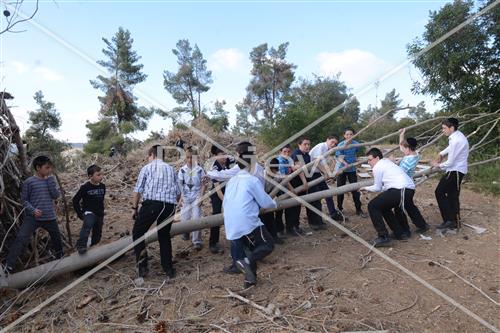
{"points": [[98, 254]]}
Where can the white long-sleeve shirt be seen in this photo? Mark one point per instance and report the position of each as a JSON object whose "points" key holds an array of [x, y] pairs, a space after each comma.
{"points": [[227, 174], [388, 175], [243, 198], [458, 153]]}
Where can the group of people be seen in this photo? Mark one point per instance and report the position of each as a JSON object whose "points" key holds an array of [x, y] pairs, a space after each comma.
{"points": [[160, 189]]}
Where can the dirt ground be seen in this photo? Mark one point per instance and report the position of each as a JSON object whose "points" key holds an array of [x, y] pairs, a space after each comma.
{"points": [[322, 282]]}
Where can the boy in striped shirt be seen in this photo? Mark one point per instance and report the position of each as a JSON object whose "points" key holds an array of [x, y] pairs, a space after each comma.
{"points": [[37, 195]]}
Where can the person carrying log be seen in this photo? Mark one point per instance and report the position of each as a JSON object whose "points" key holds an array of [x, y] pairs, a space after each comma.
{"points": [[318, 152], [409, 163], [88, 203], [192, 188], [243, 198], [345, 157], [37, 194], [301, 157], [448, 190], [158, 188], [397, 189]]}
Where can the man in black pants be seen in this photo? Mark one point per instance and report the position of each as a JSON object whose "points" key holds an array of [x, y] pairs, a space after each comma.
{"points": [[157, 185], [221, 163], [448, 190], [398, 191]]}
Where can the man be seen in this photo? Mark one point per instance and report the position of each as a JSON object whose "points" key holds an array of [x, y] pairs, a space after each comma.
{"points": [[301, 157], [398, 189], [448, 190], [345, 157], [319, 152], [158, 188], [243, 198]]}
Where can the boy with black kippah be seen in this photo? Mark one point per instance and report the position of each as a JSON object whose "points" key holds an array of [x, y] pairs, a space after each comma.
{"points": [[88, 203]]}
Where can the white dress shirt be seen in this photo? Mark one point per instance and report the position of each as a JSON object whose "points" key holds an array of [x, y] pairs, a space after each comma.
{"points": [[457, 151], [389, 175], [243, 198], [227, 174], [319, 151]]}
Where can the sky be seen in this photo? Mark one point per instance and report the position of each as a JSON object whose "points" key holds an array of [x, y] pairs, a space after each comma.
{"points": [[57, 50]]}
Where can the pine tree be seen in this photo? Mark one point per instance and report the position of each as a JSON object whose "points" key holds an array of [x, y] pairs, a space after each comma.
{"points": [[119, 111]]}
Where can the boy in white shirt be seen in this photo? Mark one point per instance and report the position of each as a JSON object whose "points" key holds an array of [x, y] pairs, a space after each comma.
{"points": [[397, 190], [192, 189], [243, 199], [448, 190]]}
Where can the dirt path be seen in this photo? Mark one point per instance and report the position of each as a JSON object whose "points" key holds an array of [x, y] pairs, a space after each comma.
{"points": [[318, 283]]}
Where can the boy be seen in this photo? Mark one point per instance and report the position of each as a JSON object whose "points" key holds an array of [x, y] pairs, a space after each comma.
{"points": [[448, 190], [192, 188], [269, 219], [345, 157], [396, 187], [408, 163], [91, 210], [221, 163], [38, 194], [242, 201]]}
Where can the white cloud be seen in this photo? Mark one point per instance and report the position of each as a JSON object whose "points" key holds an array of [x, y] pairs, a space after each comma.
{"points": [[20, 67], [357, 67], [47, 73], [230, 59]]}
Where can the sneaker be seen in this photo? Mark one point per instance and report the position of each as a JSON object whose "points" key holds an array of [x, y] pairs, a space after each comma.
{"points": [[361, 214], [281, 234], [142, 271], [215, 249], [448, 225], [81, 250], [245, 268], [382, 241], [231, 269], [423, 229], [185, 236], [170, 273], [292, 233]]}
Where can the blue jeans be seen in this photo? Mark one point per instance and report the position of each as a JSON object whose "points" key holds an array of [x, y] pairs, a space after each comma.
{"points": [[91, 223]]}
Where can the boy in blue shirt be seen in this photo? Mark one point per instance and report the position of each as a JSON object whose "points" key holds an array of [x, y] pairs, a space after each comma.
{"points": [[242, 201], [345, 157]]}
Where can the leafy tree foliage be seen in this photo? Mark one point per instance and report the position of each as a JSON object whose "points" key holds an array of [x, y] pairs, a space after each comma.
{"points": [[119, 112], [191, 80]]}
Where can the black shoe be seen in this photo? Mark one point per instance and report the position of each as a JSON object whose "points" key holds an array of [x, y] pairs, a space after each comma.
{"points": [[250, 277], [170, 273], [81, 250], [403, 236], [382, 241], [292, 233], [185, 236], [423, 229], [142, 271], [361, 214], [231, 269], [278, 240], [281, 234], [337, 217], [198, 246], [447, 225], [215, 249], [299, 231]]}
